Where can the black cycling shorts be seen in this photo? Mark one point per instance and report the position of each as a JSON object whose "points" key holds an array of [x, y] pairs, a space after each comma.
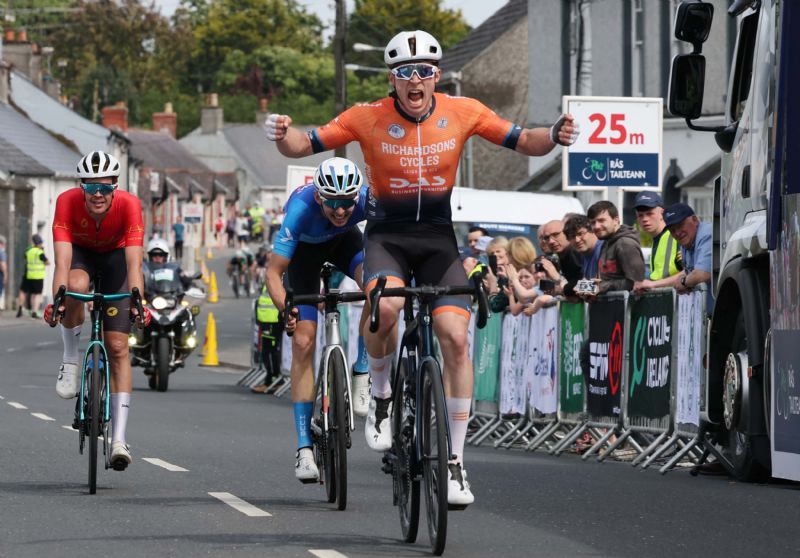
{"points": [[32, 286], [110, 270], [424, 252], [345, 251]]}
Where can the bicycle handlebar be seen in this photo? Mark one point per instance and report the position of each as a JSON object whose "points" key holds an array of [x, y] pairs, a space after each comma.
{"points": [[291, 300], [62, 294], [476, 290]]}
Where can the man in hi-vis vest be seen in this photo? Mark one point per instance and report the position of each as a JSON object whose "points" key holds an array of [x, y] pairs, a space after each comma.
{"points": [[269, 329], [33, 279], [663, 265]]}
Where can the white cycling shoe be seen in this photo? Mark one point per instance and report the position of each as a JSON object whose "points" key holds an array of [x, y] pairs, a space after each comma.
{"points": [[68, 381], [360, 394], [378, 430], [120, 456], [459, 496], [305, 468]]}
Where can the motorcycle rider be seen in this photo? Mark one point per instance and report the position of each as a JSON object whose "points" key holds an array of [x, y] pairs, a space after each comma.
{"points": [[158, 256]]}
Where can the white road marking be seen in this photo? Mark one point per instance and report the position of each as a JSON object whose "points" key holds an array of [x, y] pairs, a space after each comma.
{"points": [[11, 350], [164, 464], [1, 397], [239, 505], [46, 343], [17, 405], [42, 416], [68, 427], [327, 553]]}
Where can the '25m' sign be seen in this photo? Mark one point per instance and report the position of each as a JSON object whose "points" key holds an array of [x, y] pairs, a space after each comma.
{"points": [[620, 144]]}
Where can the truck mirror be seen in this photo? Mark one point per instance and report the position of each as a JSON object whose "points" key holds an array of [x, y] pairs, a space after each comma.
{"points": [[693, 22], [686, 85]]}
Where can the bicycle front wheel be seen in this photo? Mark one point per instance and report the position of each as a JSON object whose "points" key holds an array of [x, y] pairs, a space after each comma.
{"points": [[433, 431], [406, 483], [94, 411], [335, 455]]}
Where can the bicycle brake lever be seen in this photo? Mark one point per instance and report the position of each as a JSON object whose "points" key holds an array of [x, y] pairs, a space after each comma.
{"points": [[58, 300], [374, 301], [287, 309]]}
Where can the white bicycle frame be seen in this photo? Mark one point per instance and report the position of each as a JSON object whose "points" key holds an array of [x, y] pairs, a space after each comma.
{"points": [[333, 342]]}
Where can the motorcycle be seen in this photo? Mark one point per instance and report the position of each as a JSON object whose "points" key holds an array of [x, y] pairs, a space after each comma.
{"points": [[164, 345]]}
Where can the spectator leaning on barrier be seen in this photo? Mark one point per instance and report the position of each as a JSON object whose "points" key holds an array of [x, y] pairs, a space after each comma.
{"points": [[621, 263], [578, 230], [521, 252], [553, 237], [663, 267], [696, 243]]}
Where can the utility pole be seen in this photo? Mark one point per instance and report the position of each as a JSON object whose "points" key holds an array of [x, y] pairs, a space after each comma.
{"points": [[338, 56]]}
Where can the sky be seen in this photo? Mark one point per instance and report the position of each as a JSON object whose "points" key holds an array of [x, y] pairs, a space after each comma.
{"points": [[475, 11]]}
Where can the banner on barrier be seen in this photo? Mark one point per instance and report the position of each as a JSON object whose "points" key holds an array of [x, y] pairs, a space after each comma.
{"points": [[691, 320], [544, 345], [486, 361], [606, 334], [514, 346], [785, 404], [650, 353], [571, 382]]}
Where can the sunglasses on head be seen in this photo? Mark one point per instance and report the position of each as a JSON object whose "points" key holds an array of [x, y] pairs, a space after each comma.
{"points": [[92, 189], [336, 204], [406, 71]]}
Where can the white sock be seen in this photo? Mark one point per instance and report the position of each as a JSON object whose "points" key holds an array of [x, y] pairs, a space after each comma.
{"points": [[457, 419], [380, 370], [120, 405], [71, 337]]}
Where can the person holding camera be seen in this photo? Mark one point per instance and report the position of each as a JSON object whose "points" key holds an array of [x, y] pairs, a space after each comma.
{"points": [[569, 261], [578, 231]]}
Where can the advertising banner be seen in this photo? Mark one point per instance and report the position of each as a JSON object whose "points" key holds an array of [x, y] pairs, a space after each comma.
{"points": [[650, 352], [691, 312], [486, 362], [571, 381], [785, 404], [514, 347], [606, 334], [544, 338]]}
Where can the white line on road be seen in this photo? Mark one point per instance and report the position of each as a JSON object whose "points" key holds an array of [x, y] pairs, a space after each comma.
{"points": [[1, 397], [17, 405], [42, 416], [326, 553], [68, 427], [45, 343], [11, 350], [239, 504], [164, 464]]}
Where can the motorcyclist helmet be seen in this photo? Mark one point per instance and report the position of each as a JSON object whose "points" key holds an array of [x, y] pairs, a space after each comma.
{"points": [[412, 46], [337, 177], [158, 247]]}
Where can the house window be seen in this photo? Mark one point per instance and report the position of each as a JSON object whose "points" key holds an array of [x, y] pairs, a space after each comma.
{"points": [[702, 201]]}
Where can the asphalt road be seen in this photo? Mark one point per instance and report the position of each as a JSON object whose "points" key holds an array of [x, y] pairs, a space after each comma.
{"points": [[231, 443]]}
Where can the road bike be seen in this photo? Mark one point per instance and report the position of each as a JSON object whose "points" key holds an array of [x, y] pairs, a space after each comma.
{"points": [[93, 408], [332, 416], [421, 448]]}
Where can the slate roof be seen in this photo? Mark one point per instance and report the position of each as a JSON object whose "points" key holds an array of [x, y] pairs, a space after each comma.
{"points": [[483, 35], [52, 115], [37, 143], [14, 161], [704, 175]]}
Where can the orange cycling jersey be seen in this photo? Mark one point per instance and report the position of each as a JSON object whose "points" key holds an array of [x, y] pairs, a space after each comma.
{"points": [[122, 226], [411, 162]]}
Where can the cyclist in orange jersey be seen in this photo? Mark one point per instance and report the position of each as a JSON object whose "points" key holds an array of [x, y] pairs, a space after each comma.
{"points": [[412, 143]]}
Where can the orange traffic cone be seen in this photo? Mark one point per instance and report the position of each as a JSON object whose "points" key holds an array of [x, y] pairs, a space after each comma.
{"points": [[213, 293], [204, 271], [210, 357], [209, 254]]}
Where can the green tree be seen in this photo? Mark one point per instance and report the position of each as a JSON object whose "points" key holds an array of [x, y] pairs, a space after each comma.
{"points": [[39, 18], [375, 21]]}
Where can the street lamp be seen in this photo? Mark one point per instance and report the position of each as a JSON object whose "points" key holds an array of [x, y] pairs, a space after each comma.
{"points": [[362, 47], [360, 68]]}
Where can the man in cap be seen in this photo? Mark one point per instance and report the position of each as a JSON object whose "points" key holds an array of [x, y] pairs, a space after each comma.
{"points": [[663, 267], [695, 238], [33, 280]]}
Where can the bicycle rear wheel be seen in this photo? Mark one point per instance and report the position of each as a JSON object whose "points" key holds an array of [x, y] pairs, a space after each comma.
{"points": [[93, 415], [433, 430], [338, 428], [406, 485]]}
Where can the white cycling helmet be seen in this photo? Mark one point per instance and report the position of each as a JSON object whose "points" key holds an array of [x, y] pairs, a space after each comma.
{"points": [[98, 164], [158, 245], [337, 177], [410, 46]]}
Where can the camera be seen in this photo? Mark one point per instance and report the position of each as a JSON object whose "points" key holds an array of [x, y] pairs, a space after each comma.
{"points": [[493, 263], [547, 285], [586, 287], [502, 281], [539, 266]]}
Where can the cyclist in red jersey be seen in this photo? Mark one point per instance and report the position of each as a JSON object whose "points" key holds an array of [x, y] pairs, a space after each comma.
{"points": [[412, 142], [99, 232]]}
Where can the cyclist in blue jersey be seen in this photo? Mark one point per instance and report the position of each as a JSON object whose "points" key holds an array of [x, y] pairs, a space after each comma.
{"points": [[320, 226]]}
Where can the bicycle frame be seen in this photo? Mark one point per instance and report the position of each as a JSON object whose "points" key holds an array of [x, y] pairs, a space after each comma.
{"points": [[333, 342]]}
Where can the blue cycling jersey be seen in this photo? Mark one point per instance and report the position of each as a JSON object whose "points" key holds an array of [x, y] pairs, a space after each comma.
{"points": [[305, 221]]}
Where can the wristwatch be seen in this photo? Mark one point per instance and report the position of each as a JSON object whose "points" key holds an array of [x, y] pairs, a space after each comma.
{"points": [[683, 281]]}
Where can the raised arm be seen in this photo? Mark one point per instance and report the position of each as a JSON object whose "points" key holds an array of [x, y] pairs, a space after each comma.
{"points": [[541, 141], [291, 142]]}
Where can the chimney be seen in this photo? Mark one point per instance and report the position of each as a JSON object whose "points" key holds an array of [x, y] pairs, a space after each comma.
{"points": [[22, 36], [166, 122], [211, 118], [262, 112], [116, 116], [9, 36]]}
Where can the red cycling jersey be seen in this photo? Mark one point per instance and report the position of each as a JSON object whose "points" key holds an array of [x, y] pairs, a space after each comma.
{"points": [[411, 162], [122, 226]]}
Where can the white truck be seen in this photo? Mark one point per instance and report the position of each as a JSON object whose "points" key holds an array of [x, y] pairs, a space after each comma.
{"points": [[752, 398]]}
